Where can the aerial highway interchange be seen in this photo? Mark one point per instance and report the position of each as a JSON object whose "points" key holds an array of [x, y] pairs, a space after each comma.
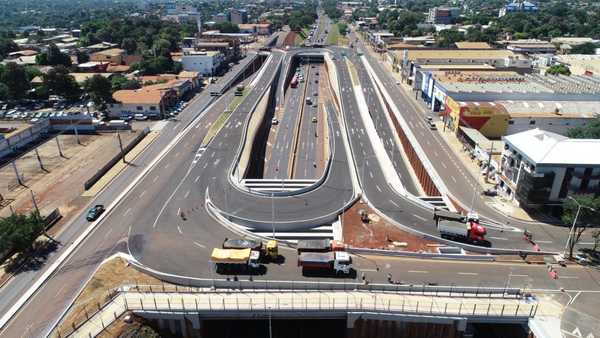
{"points": [[167, 209]]}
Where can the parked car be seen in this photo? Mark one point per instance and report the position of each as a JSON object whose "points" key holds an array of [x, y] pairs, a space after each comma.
{"points": [[95, 212], [274, 121], [140, 117], [490, 192]]}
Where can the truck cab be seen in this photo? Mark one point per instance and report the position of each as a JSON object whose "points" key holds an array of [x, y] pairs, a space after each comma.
{"points": [[342, 262]]}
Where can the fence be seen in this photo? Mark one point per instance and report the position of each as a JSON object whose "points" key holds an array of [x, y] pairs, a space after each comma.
{"points": [[252, 304]]}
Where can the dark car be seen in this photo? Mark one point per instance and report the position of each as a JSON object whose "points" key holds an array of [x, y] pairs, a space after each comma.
{"points": [[95, 212]]}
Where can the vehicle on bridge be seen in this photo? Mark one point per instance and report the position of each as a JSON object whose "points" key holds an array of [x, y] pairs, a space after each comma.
{"points": [[294, 82], [270, 251], [461, 228], [95, 212], [338, 262], [234, 261]]}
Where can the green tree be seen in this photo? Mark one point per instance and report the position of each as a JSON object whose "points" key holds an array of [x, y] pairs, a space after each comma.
{"points": [[227, 27], [19, 231], [82, 57], [7, 46], [447, 38], [99, 88], [590, 131], [119, 82], [4, 91], [15, 78], [129, 45], [589, 213], [559, 69], [53, 57], [586, 48], [59, 82]]}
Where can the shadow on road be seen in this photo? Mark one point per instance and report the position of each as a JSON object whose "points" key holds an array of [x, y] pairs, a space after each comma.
{"points": [[32, 259]]}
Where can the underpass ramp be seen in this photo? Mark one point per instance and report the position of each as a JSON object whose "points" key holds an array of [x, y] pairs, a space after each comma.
{"points": [[436, 201], [320, 232], [276, 185]]}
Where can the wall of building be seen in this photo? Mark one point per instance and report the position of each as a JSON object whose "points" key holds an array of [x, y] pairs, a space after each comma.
{"points": [[203, 64], [491, 122], [119, 110], [559, 125]]}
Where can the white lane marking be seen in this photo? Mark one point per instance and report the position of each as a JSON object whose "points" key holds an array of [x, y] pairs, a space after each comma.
{"points": [[378, 188], [155, 179], [515, 275], [217, 161], [197, 178], [167, 165], [499, 238], [107, 233], [178, 211], [444, 165], [420, 217], [417, 271], [127, 212], [394, 203], [454, 179], [568, 277], [142, 193], [200, 245], [544, 242], [187, 194], [468, 273], [371, 174], [179, 229]]}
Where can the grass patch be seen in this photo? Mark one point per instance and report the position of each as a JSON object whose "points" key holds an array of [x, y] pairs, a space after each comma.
{"points": [[334, 35], [215, 127]]}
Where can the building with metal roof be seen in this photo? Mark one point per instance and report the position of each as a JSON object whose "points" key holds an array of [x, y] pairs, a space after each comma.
{"points": [[540, 167]]}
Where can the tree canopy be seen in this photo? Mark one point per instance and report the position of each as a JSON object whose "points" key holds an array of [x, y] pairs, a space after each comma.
{"points": [[58, 82], [19, 231], [588, 215], [15, 78], [559, 69], [591, 130], [99, 88], [53, 57]]}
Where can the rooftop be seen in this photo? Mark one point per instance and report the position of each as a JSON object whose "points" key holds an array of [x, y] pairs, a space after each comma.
{"points": [[143, 95], [435, 54], [111, 52], [544, 147], [472, 45]]}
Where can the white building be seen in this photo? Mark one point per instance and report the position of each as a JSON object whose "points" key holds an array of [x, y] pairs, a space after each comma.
{"points": [[203, 62], [543, 168]]}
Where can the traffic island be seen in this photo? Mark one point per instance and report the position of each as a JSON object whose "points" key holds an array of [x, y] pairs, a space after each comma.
{"points": [[374, 232]]}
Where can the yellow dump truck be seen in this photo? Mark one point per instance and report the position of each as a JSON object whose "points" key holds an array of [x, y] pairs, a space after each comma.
{"points": [[235, 260]]}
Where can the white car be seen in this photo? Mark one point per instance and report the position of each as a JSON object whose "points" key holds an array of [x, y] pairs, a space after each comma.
{"points": [[140, 117]]}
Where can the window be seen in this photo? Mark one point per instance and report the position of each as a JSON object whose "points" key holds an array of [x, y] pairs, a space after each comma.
{"points": [[532, 122], [139, 108], [511, 122], [153, 108]]}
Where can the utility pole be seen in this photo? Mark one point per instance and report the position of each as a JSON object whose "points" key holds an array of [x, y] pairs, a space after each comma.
{"points": [[75, 131], [273, 213], [58, 146], [121, 147], [37, 154], [569, 244], [19, 179], [37, 210]]}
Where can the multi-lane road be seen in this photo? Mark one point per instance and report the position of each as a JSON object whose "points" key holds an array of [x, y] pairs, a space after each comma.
{"points": [[160, 216]]}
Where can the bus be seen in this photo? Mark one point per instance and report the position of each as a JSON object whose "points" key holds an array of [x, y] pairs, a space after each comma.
{"points": [[294, 82]]}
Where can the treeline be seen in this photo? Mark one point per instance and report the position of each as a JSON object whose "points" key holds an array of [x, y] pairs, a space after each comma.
{"points": [[296, 19]]}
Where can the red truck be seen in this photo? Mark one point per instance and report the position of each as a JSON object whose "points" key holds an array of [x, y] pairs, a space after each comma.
{"points": [[461, 228]]}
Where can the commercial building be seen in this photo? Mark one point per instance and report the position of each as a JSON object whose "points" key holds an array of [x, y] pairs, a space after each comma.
{"points": [[502, 103], [226, 45], [443, 15], [518, 6], [256, 28], [529, 46], [220, 18], [408, 61], [206, 63], [238, 16], [540, 167]]}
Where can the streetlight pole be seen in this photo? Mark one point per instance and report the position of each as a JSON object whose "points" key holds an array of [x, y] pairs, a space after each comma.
{"points": [[273, 213], [572, 231]]}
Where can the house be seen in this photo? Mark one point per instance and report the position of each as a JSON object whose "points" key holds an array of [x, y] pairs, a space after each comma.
{"points": [[443, 15], [518, 6], [150, 100], [543, 168], [115, 56]]}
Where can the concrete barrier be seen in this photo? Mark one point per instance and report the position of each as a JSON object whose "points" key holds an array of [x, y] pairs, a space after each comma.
{"points": [[98, 175]]}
